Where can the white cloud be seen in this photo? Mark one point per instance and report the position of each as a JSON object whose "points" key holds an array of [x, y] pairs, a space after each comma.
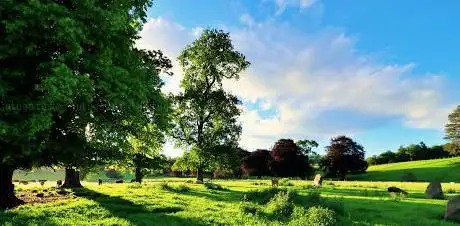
{"points": [[283, 4], [318, 83]]}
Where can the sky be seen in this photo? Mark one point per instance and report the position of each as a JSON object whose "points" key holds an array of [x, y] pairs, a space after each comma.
{"points": [[383, 72]]}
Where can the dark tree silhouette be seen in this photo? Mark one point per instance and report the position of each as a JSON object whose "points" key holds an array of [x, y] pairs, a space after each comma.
{"points": [[289, 160], [344, 156], [257, 163]]}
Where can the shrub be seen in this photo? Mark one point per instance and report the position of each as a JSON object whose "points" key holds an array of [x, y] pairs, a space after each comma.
{"points": [[285, 182], [281, 205], [314, 199], [213, 186], [262, 196], [317, 216], [164, 186], [320, 216], [113, 174], [182, 188], [248, 207], [450, 191]]}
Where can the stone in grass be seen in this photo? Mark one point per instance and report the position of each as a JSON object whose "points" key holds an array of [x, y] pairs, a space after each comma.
{"points": [[318, 180], [453, 209], [198, 182], [434, 190]]}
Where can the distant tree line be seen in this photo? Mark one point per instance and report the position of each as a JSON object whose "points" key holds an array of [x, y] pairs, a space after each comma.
{"points": [[415, 152], [286, 159]]}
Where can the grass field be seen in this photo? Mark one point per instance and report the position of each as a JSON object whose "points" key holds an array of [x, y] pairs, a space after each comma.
{"points": [[172, 201], [445, 170]]}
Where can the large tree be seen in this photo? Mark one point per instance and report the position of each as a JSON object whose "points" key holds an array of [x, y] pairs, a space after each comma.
{"points": [[257, 163], [68, 68], [90, 134], [453, 127], [344, 156], [289, 160], [205, 115]]}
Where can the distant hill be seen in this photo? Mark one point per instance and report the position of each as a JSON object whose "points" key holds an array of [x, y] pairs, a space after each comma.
{"points": [[445, 170]]}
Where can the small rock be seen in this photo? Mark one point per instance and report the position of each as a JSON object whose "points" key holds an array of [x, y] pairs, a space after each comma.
{"points": [[453, 209], [198, 182]]}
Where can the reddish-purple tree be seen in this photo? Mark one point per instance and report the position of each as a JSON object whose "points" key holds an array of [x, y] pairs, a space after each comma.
{"points": [[288, 160], [257, 163]]}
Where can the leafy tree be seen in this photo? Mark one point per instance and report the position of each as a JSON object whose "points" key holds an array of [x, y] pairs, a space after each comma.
{"points": [[257, 163], [288, 160], [66, 73], [187, 162], [372, 160], [306, 146], [205, 115], [344, 156], [452, 149], [453, 127]]}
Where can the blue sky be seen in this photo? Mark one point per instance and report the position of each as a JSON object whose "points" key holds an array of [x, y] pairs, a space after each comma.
{"points": [[384, 72]]}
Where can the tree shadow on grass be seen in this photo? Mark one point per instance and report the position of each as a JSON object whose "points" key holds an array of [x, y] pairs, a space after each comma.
{"points": [[388, 212], [367, 193], [12, 218], [217, 195], [137, 214]]}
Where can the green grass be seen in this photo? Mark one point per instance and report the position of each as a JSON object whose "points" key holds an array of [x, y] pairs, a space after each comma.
{"points": [[171, 201], [445, 170]]}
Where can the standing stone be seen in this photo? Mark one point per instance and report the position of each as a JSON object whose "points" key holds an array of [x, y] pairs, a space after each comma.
{"points": [[453, 209], [434, 191], [318, 180]]}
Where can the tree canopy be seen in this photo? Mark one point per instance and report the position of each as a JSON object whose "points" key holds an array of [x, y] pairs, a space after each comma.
{"points": [[205, 115], [344, 156], [453, 127], [73, 86]]}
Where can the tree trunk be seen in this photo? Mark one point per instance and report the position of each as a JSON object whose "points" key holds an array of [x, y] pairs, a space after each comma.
{"points": [[199, 174], [7, 197], [138, 175], [72, 179]]}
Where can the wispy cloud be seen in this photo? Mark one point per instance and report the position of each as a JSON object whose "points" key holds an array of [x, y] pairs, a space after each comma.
{"points": [[301, 4]]}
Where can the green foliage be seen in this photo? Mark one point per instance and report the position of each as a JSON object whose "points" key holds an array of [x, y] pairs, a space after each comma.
{"points": [[306, 146], [74, 85], [249, 207], [213, 186], [344, 156], [452, 128], [262, 196], [205, 115], [285, 182], [317, 216], [113, 174], [281, 205]]}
